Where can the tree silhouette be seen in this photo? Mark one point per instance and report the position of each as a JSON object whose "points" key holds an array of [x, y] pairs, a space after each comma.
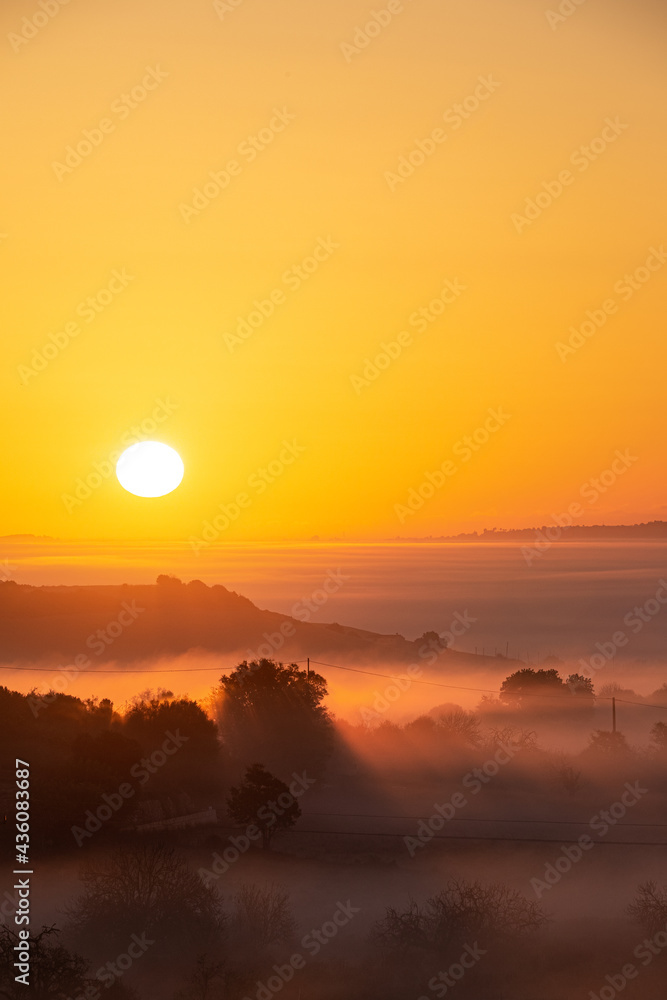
{"points": [[148, 886], [273, 712], [460, 913], [604, 742], [263, 801], [263, 916], [649, 908], [581, 686], [659, 738], [527, 685], [55, 972]]}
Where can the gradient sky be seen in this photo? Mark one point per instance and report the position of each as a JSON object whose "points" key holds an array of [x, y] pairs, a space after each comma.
{"points": [[324, 177]]}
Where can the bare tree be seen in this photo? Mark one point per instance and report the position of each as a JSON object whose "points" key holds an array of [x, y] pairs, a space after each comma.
{"points": [[209, 981], [649, 908], [54, 971], [263, 915], [463, 911], [148, 886], [461, 726]]}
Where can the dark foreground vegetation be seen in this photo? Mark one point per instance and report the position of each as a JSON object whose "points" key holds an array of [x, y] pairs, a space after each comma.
{"points": [[255, 846]]}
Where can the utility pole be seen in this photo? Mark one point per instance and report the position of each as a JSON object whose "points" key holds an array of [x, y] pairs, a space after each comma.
{"points": [[613, 715], [308, 668]]}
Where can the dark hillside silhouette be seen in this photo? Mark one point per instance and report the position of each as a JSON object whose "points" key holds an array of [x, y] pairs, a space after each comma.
{"points": [[127, 623]]}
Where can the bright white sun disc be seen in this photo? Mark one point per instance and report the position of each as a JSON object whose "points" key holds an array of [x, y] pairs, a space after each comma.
{"points": [[150, 469]]}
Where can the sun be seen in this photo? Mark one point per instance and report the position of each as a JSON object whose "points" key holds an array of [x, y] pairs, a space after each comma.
{"points": [[150, 469]]}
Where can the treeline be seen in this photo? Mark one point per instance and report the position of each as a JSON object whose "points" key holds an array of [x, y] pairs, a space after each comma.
{"points": [[96, 770]]}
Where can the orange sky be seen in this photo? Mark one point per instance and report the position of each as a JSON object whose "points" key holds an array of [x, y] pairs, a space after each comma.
{"points": [[333, 120]]}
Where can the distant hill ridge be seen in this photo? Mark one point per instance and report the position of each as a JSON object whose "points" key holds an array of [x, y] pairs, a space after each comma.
{"points": [[128, 622], [575, 532]]}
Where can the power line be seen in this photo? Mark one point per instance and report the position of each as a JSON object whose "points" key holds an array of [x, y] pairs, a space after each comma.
{"points": [[510, 840], [456, 687], [339, 666], [470, 819], [414, 680]]}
